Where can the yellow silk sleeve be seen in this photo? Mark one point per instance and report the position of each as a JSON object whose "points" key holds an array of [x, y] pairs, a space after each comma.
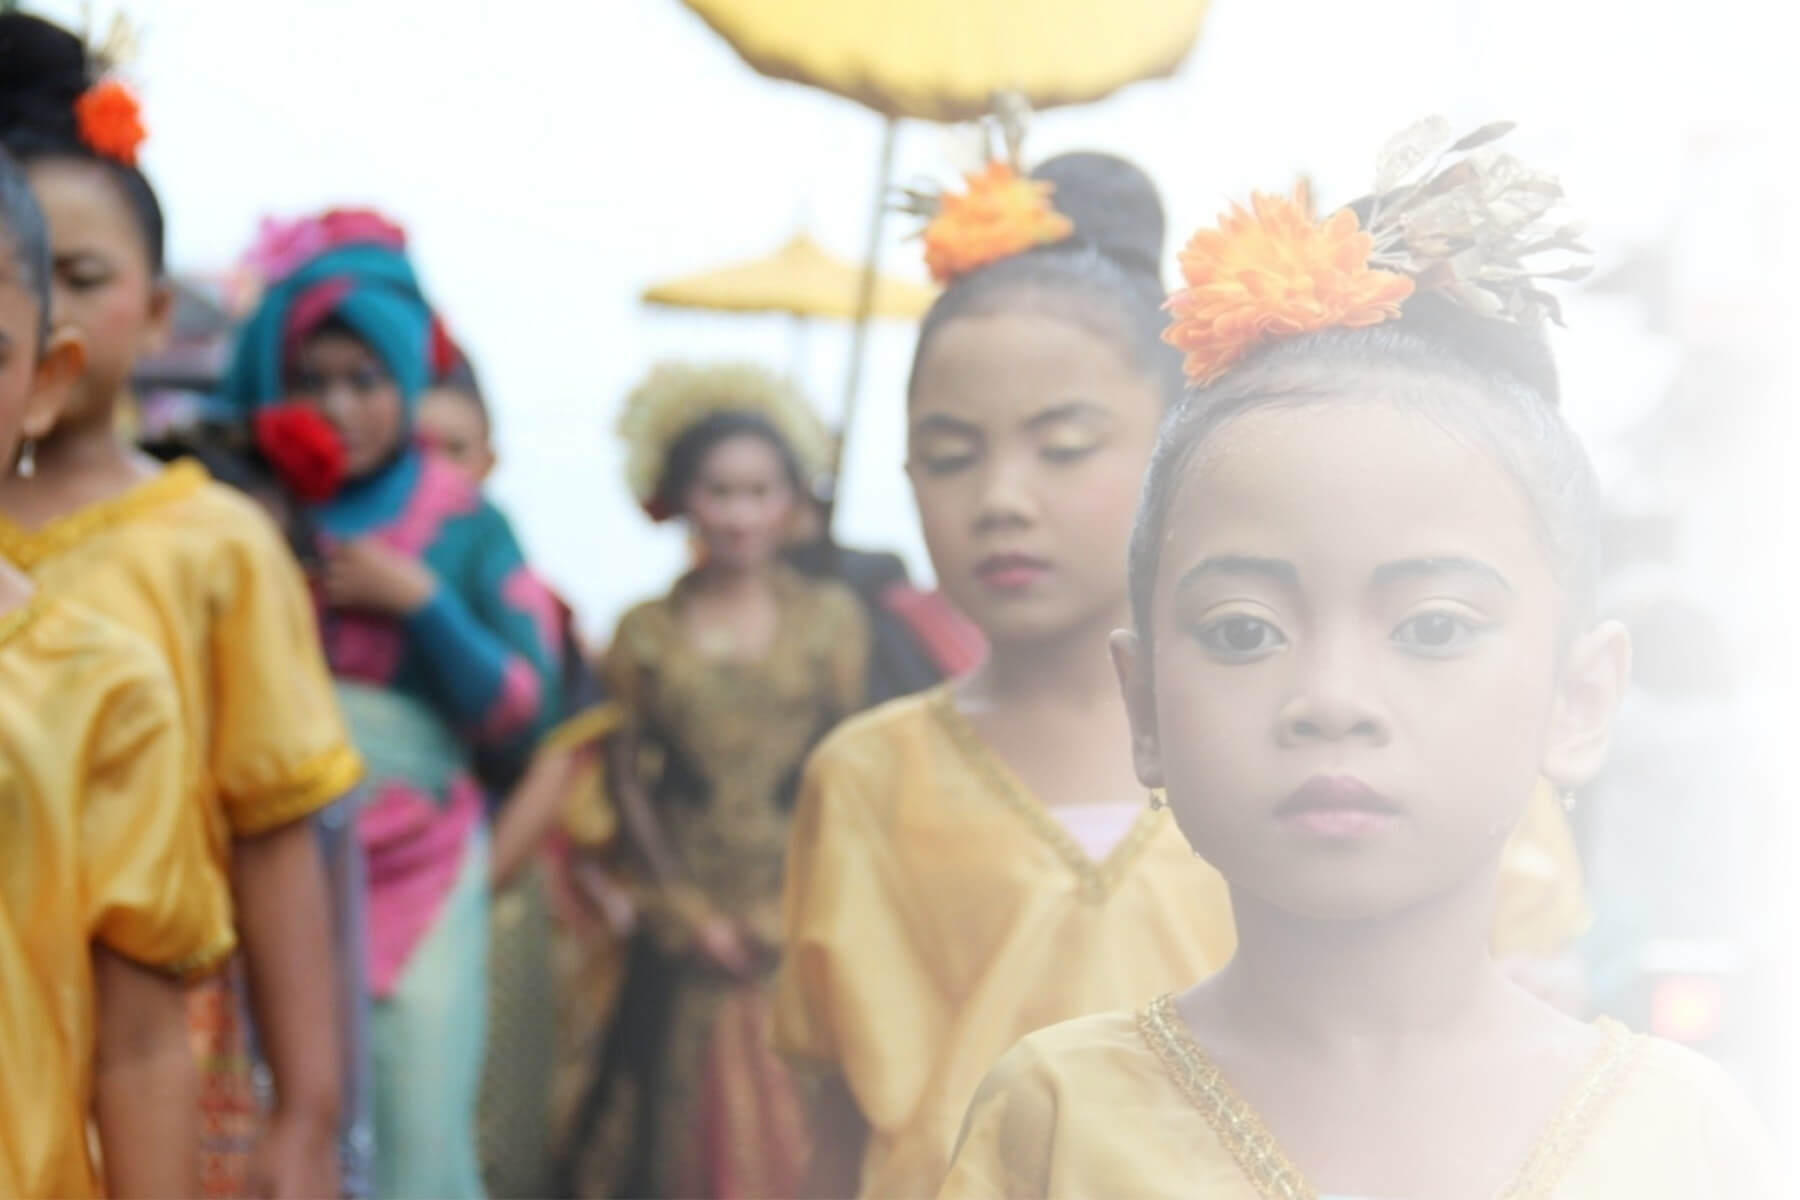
{"points": [[280, 750], [1009, 1134], [1541, 907], [856, 991], [152, 890]]}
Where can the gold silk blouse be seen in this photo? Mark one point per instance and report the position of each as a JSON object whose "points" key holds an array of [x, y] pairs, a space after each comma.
{"points": [[202, 573], [936, 913], [102, 846], [1124, 1105]]}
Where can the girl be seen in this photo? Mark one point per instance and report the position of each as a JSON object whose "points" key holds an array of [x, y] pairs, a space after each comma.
{"points": [[440, 639], [974, 864], [1362, 584], [726, 683], [200, 572], [108, 894]]}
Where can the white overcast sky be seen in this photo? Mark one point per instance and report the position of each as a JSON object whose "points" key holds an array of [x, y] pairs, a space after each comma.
{"points": [[551, 159]]}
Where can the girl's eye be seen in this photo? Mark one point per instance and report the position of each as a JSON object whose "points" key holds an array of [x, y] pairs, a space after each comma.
{"points": [[1068, 454], [1436, 633], [946, 464], [1241, 638]]}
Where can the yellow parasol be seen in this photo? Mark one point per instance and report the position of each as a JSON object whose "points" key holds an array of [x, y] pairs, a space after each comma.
{"points": [[943, 60], [801, 279]]}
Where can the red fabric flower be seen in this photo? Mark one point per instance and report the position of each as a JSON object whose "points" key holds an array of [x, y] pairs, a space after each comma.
{"points": [[108, 118], [304, 450]]}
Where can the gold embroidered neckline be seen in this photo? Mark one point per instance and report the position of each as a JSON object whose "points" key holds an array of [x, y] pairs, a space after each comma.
{"points": [[1097, 879], [1267, 1166], [28, 548]]}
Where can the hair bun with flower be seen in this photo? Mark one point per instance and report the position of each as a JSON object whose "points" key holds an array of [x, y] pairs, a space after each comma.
{"points": [[1445, 216], [57, 87], [1003, 211], [676, 397]]}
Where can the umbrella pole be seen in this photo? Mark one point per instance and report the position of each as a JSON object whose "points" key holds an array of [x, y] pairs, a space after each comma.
{"points": [[865, 303]]}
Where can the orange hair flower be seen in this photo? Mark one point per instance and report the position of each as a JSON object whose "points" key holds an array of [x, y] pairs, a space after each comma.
{"points": [[1002, 214], [1274, 271], [107, 115]]}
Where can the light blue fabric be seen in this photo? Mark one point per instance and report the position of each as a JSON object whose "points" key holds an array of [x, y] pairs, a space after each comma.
{"points": [[429, 1040]]}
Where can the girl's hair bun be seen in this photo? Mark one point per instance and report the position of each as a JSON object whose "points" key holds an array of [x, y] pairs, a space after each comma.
{"points": [[43, 70], [1113, 205]]}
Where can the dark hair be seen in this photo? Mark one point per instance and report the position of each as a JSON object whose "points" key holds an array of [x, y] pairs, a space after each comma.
{"points": [[1507, 403], [1106, 278], [44, 70], [28, 241], [688, 453]]}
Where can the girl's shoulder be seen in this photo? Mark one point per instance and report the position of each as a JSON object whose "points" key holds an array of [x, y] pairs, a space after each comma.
{"points": [[881, 744], [60, 649]]}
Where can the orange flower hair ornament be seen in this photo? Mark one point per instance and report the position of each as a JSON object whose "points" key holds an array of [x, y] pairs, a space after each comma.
{"points": [[1001, 212], [1464, 228], [110, 122]]}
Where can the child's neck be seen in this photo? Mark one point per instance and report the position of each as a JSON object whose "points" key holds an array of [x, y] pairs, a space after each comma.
{"points": [[1070, 668], [81, 463], [1340, 984]]}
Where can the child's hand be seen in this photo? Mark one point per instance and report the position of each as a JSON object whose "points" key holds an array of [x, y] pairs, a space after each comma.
{"points": [[723, 945], [296, 1159], [364, 574]]}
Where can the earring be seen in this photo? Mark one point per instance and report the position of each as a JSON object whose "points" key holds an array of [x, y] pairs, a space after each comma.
{"points": [[1567, 799], [1159, 799], [27, 466]]}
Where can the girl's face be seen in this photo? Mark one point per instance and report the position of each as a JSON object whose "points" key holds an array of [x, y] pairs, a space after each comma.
{"points": [[1358, 667], [34, 381], [450, 424], [1028, 442], [741, 504], [336, 373], [103, 284]]}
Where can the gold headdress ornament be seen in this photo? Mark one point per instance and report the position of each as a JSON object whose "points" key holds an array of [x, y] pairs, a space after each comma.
{"points": [[1445, 216], [1003, 212], [677, 396]]}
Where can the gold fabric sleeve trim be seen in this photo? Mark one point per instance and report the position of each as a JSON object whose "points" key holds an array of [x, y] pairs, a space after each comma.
{"points": [[318, 783], [588, 725], [198, 966], [29, 548]]}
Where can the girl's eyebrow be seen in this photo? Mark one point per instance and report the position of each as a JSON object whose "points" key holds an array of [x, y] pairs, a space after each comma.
{"points": [[1069, 410], [943, 423], [1388, 574], [1276, 570]]}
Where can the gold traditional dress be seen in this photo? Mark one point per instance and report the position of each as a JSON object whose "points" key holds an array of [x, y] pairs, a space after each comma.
{"points": [[689, 1098], [103, 847], [937, 912], [200, 572], [1124, 1105]]}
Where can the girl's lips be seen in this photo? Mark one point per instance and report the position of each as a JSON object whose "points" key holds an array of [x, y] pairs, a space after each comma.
{"points": [[1338, 807], [1011, 572]]}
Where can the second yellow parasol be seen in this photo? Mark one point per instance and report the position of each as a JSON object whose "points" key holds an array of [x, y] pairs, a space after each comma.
{"points": [[801, 279]]}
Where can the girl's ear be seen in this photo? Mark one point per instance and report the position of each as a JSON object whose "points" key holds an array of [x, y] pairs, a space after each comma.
{"points": [[59, 369], [161, 319], [1132, 662], [1588, 693]]}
